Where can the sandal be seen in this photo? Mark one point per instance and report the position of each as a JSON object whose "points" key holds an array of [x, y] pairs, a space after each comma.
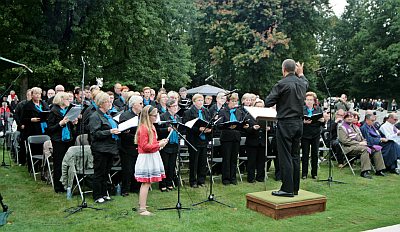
{"points": [[144, 212]]}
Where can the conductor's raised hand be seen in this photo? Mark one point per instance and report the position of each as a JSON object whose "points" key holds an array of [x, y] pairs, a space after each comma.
{"points": [[299, 69]]}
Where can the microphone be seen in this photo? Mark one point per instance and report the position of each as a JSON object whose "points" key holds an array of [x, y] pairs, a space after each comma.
{"points": [[232, 91], [320, 69], [209, 77], [83, 60], [165, 122]]}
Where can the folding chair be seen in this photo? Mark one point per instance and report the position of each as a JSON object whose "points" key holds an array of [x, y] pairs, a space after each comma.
{"points": [[241, 159], [35, 158], [214, 161], [347, 162]]}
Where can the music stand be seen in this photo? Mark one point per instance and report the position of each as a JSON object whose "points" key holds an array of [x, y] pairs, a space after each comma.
{"points": [[331, 105], [263, 115], [178, 205]]}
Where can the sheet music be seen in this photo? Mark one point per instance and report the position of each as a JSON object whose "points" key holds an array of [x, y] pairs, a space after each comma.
{"points": [[116, 117], [260, 113], [191, 123], [73, 113], [133, 122]]}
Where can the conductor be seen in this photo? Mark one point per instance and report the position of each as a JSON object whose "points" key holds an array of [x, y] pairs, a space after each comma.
{"points": [[288, 95]]}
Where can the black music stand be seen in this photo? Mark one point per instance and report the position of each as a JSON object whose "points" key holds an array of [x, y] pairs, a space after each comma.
{"points": [[329, 180], [178, 205]]}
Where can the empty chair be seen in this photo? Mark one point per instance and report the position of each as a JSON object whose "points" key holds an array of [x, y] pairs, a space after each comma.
{"points": [[36, 158]]}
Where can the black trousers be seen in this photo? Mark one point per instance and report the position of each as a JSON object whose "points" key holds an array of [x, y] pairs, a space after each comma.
{"points": [[255, 161], [229, 150], [305, 146], [102, 163], [288, 137], [128, 161], [59, 150], [169, 161], [197, 165]]}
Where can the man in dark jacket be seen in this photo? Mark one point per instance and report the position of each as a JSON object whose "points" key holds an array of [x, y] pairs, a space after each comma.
{"points": [[288, 95]]}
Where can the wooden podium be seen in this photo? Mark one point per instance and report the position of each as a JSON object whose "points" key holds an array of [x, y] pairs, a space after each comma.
{"points": [[284, 207]]}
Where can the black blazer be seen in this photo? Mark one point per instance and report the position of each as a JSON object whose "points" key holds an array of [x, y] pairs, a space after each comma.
{"points": [[29, 111], [254, 137], [128, 136], [312, 130], [54, 130], [228, 135], [193, 135], [162, 131], [100, 135]]}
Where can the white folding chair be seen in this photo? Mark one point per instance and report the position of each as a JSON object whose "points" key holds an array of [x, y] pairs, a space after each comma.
{"points": [[35, 158]]}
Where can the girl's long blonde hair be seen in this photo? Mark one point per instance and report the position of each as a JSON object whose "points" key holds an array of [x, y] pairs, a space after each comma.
{"points": [[145, 120]]}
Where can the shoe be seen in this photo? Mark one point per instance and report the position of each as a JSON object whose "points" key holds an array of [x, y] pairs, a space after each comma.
{"points": [[144, 212], [100, 200], [380, 173], [164, 190], [281, 193], [107, 198], [226, 183], [234, 182], [170, 188], [314, 177], [366, 175], [194, 186], [125, 194], [304, 177], [395, 171], [295, 193], [251, 181]]}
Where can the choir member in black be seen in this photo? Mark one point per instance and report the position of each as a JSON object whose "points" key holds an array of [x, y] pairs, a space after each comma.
{"points": [[117, 90], [128, 149], [21, 127], [88, 111], [60, 130], [255, 149], [104, 145], [170, 151], [121, 102], [288, 95], [230, 139], [184, 102], [208, 100], [220, 103], [113, 111], [311, 136], [198, 137], [146, 97], [31, 120], [162, 102]]}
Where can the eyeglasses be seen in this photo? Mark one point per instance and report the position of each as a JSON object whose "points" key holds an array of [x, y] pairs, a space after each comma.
{"points": [[153, 115], [174, 106]]}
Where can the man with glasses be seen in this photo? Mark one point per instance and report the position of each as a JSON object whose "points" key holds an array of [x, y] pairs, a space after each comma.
{"points": [[390, 150]]}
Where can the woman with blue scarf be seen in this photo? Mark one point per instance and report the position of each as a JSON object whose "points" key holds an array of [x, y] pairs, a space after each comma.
{"points": [[170, 151], [104, 145], [311, 136], [60, 130], [31, 120]]}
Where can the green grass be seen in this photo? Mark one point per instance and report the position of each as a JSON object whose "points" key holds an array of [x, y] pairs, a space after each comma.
{"points": [[360, 204]]}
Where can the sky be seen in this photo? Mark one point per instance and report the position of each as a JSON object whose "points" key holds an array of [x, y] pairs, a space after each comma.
{"points": [[338, 6]]}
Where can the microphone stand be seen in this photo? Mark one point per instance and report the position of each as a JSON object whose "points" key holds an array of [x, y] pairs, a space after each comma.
{"points": [[211, 77], [178, 205], [83, 204], [211, 197], [3, 163], [330, 174]]}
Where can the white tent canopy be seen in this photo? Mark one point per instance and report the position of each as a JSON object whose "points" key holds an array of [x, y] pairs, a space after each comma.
{"points": [[205, 90]]}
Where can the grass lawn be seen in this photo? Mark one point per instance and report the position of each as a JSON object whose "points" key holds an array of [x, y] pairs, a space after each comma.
{"points": [[360, 204]]}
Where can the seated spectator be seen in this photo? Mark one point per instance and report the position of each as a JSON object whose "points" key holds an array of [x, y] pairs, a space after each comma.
{"points": [[390, 150], [389, 130], [354, 144], [332, 126]]}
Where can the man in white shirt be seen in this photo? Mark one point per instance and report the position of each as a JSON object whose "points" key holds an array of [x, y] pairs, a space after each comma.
{"points": [[389, 129]]}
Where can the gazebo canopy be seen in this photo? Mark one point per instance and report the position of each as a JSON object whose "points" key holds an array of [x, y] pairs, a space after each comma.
{"points": [[205, 90]]}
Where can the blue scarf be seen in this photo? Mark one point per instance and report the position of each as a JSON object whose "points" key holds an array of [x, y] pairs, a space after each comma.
{"points": [[43, 125], [122, 99], [309, 112], [202, 136], [233, 116], [113, 110], [146, 102], [163, 110], [94, 105], [66, 134], [173, 139], [113, 125]]}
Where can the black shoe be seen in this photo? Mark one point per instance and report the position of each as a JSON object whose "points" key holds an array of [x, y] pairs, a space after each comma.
{"points": [[295, 193], [366, 175], [394, 171], [281, 193], [226, 183], [125, 194], [251, 181], [234, 182], [314, 177], [260, 180], [380, 173]]}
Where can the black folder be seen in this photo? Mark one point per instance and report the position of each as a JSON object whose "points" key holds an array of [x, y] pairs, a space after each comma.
{"points": [[227, 125], [314, 117], [43, 115]]}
